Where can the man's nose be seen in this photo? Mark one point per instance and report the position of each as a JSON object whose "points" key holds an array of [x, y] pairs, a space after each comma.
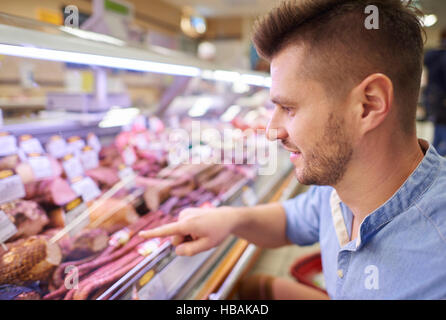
{"points": [[275, 130]]}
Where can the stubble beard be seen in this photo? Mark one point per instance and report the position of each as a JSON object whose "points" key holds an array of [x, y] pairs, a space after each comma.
{"points": [[327, 163]]}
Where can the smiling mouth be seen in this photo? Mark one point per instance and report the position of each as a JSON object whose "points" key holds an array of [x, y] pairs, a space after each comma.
{"points": [[293, 151]]}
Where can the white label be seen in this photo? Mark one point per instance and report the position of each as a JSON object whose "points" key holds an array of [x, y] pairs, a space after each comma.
{"points": [[94, 142], [76, 146], [154, 290], [90, 159], [87, 189], [129, 156], [57, 148], [31, 146], [73, 168], [128, 173], [11, 188], [7, 228], [71, 215], [8, 145], [41, 167]]}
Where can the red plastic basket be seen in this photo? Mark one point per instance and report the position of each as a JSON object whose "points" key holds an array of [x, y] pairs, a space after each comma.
{"points": [[306, 268]]}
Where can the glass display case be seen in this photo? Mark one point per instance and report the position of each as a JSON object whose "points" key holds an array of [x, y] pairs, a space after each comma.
{"points": [[100, 140]]}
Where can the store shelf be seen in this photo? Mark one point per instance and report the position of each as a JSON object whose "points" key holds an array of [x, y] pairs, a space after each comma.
{"points": [[30, 39]]}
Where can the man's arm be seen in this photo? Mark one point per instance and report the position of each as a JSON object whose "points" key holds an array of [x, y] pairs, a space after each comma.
{"points": [[198, 230]]}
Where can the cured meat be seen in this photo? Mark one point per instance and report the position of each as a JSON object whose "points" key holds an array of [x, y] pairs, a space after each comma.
{"points": [[222, 182], [209, 173], [28, 217], [120, 214], [168, 206], [120, 268], [84, 244], [156, 191], [105, 177], [9, 162], [108, 155], [33, 259], [55, 191]]}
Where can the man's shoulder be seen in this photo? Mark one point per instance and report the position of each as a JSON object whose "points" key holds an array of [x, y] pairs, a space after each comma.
{"points": [[432, 204]]}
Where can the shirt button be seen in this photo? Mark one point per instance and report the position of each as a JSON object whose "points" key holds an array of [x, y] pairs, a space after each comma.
{"points": [[340, 273]]}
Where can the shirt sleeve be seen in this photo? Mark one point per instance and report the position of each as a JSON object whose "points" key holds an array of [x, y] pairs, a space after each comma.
{"points": [[303, 216]]}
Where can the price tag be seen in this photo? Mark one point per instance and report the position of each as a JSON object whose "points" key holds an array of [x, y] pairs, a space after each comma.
{"points": [[7, 227], [86, 188], [8, 144], [154, 290], [11, 186], [127, 173], [30, 145], [129, 156], [93, 141], [75, 145], [40, 165], [57, 147], [74, 209], [72, 166], [149, 246], [89, 158]]}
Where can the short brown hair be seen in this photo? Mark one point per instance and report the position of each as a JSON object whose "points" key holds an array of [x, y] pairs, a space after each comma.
{"points": [[343, 51]]}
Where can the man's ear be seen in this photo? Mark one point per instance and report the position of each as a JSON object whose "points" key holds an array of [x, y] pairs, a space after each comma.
{"points": [[374, 101]]}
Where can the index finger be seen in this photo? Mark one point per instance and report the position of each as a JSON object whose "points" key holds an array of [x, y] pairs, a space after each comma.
{"points": [[163, 231]]}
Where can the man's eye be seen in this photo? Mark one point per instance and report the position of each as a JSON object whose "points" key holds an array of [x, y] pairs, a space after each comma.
{"points": [[286, 109]]}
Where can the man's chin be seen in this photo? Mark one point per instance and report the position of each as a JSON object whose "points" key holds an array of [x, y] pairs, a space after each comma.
{"points": [[301, 177]]}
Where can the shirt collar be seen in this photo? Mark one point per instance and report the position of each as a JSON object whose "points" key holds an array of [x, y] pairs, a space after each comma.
{"points": [[411, 191]]}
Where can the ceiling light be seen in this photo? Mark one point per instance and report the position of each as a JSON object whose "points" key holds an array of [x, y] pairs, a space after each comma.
{"points": [[98, 60], [429, 20]]}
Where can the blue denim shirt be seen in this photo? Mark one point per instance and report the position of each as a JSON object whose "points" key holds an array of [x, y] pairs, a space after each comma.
{"points": [[400, 251]]}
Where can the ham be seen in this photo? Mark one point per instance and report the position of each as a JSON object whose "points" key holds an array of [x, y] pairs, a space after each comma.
{"points": [[28, 217], [32, 259]]}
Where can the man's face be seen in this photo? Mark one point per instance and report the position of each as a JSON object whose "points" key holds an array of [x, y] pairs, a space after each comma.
{"points": [[309, 124]]}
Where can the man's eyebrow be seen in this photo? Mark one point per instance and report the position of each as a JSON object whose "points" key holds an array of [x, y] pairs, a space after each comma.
{"points": [[282, 101]]}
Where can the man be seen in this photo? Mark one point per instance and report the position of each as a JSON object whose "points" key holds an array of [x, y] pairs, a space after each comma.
{"points": [[435, 93], [345, 101]]}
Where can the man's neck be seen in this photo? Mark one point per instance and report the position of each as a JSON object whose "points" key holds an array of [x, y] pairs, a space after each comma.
{"points": [[373, 177]]}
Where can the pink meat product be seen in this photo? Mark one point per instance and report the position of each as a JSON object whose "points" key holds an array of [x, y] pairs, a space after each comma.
{"points": [[98, 283], [207, 197], [84, 269], [167, 206], [108, 154], [84, 244], [196, 194], [28, 217], [108, 261], [222, 182], [105, 177], [59, 273], [55, 191]]}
